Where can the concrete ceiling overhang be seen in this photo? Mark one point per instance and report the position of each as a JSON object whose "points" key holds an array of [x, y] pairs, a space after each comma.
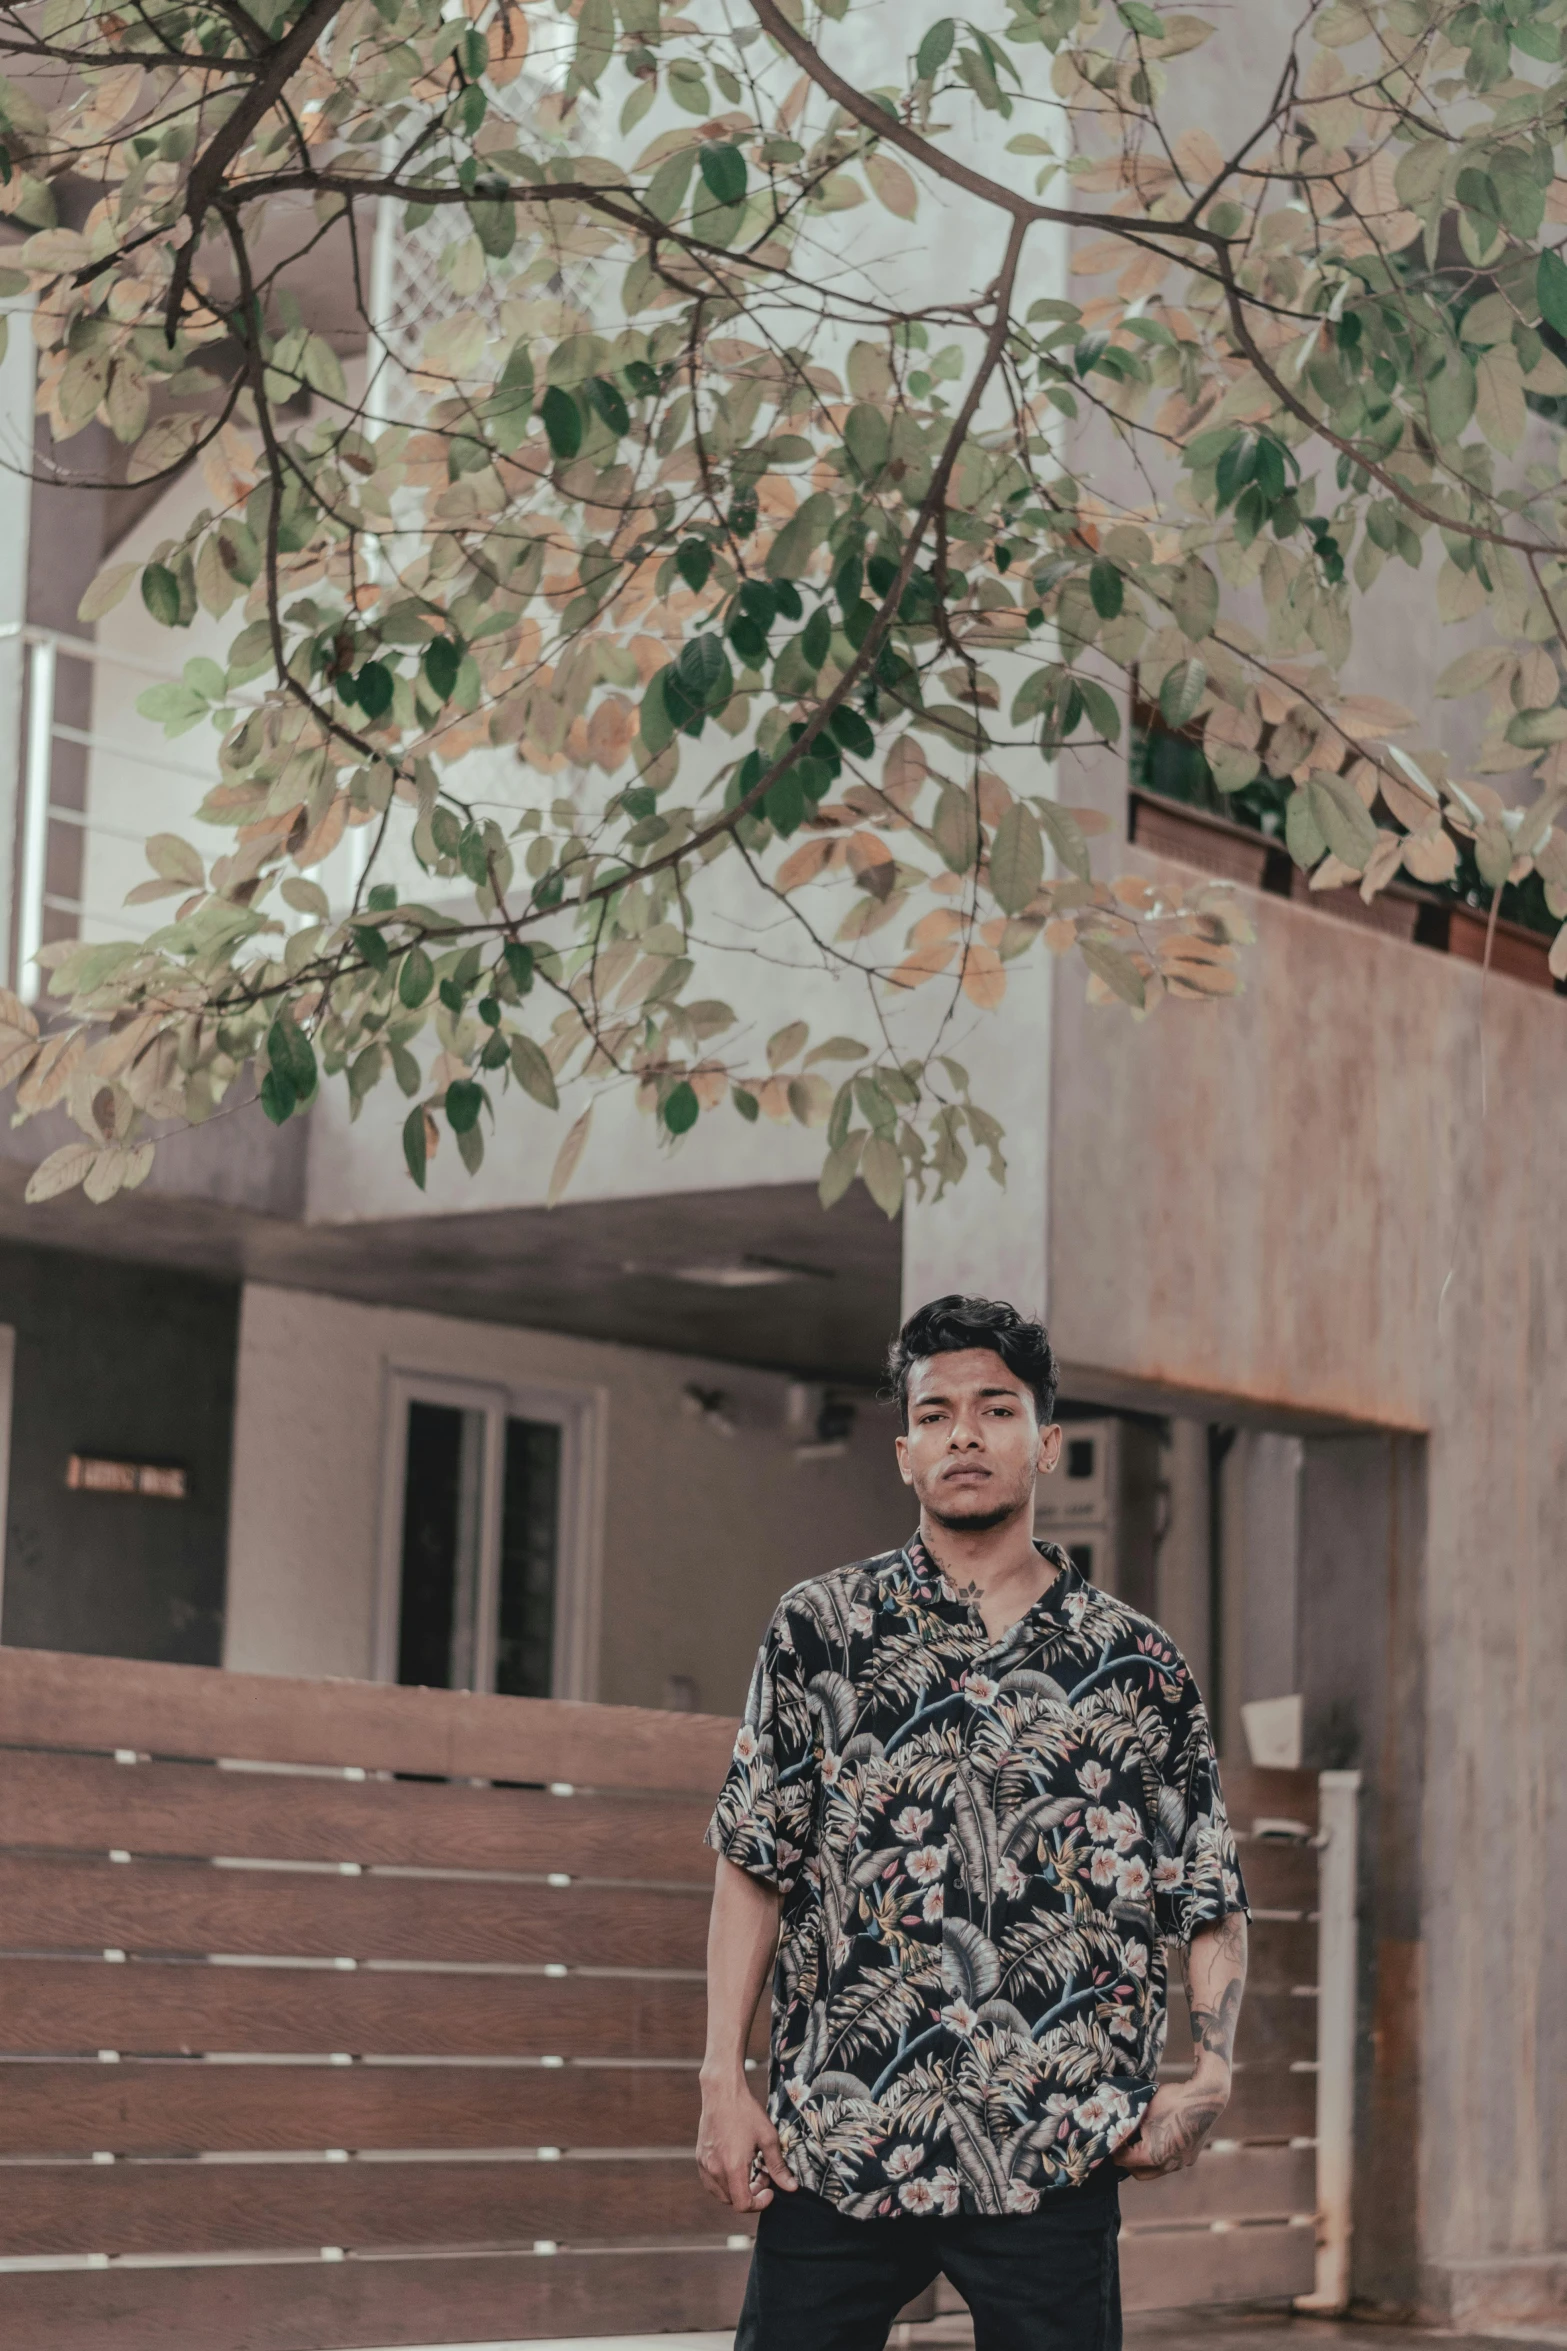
{"points": [[823, 1303]]}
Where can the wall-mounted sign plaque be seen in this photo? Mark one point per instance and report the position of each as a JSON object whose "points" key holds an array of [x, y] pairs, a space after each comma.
{"points": [[88, 1476]]}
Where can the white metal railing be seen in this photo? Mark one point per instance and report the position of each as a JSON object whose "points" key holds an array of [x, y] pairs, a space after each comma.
{"points": [[40, 809]]}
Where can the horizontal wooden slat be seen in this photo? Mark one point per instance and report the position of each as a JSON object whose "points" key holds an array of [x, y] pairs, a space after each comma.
{"points": [[49, 1905], [1240, 2183], [178, 2106], [1251, 1795], [1275, 2028], [294, 2207], [188, 2107], [355, 2304], [82, 1905], [1190, 2268], [1266, 2101], [151, 2207], [89, 1803], [151, 2008], [49, 1699], [1283, 1953], [1279, 1877]]}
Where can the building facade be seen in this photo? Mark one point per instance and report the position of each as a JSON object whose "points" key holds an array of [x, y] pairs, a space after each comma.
{"points": [[1300, 1259]]}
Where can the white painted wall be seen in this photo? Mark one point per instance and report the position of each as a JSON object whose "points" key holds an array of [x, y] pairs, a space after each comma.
{"points": [[701, 1532]]}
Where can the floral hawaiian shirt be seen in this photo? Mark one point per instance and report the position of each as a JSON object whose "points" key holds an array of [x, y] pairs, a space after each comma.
{"points": [[983, 1847]]}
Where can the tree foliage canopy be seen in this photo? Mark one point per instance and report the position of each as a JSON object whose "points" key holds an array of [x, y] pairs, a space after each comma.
{"points": [[733, 536]]}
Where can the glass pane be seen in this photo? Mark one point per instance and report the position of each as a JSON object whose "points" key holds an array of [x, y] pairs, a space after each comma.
{"points": [[530, 1525], [441, 1510]]}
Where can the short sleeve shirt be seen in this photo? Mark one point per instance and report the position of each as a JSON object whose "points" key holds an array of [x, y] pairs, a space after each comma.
{"points": [[982, 1847]]}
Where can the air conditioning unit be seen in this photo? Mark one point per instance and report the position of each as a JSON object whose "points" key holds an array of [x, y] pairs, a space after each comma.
{"points": [[1077, 1505]]}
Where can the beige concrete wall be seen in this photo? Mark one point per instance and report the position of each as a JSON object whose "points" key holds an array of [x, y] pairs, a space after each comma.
{"points": [[700, 1532], [1298, 1201]]}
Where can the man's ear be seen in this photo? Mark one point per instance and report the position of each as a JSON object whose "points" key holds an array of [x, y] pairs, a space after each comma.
{"points": [[1049, 1448], [900, 1446]]}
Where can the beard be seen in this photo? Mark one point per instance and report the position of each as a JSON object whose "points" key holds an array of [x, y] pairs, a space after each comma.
{"points": [[978, 1522]]}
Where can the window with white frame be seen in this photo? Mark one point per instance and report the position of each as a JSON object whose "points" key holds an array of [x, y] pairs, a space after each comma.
{"points": [[489, 1553]]}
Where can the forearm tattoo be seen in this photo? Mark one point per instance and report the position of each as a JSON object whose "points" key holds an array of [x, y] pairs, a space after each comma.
{"points": [[1215, 2013], [1213, 2029], [1167, 2141]]}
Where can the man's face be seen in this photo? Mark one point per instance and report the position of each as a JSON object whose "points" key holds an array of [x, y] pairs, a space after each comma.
{"points": [[974, 1445]]}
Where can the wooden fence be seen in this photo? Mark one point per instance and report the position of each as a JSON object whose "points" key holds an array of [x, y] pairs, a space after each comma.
{"points": [[334, 2016]]}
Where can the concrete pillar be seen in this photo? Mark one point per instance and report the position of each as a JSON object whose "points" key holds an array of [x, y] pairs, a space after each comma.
{"points": [[993, 1241]]}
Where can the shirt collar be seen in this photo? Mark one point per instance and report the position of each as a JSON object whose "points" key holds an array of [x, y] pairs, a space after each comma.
{"points": [[931, 1585]]}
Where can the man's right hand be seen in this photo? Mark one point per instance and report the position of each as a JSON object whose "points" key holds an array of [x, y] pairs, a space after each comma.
{"points": [[737, 2149]]}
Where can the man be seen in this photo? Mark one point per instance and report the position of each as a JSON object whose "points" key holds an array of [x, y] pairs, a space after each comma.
{"points": [[977, 1796]]}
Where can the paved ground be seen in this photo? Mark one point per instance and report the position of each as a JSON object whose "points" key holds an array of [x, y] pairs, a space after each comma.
{"points": [[1182, 2330]]}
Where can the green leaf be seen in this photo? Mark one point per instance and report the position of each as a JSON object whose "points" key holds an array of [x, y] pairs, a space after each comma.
{"points": [[680, 1108], [1139, 19], [415, 978], [1500, 409], [1532, 730], [442, 661], [703, 672], [372, 689], [518, 958], [292, 1056], [723, 169], [562, 422], [656, 720], [881, 1171], [747, 1105], [665, 192], [785, 802], [415, 1144], [277, 1097], [1066, 838], [609, 403], [935, 49], [849, 729], [1105, 588], [1017, 859], [816, 637], [464, 1101], [790, 554], [694, 561], [1550, 290], [1103, 712], [160, 592], [1115, 967], [494, 224], [1342, 819], [372, 946], [1194, 599], [868, 438], [1180, 691], [533, 1073], [1302, 833], [1450, 396]]}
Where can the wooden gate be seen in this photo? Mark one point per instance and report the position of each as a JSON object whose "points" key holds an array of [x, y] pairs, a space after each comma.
{"points": [[337, 2016]]}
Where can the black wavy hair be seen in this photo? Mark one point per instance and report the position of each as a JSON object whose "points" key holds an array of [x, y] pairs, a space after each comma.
{"points": [[948, 1325]]}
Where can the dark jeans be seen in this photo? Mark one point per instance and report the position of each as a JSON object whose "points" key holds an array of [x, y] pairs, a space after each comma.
{"points": [[1047, 2280]]}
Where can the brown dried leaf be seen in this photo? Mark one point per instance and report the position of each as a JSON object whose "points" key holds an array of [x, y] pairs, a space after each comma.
{"points": [[570, 1153], [51, 1074]]}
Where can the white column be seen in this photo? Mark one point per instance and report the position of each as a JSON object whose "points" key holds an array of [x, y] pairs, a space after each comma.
{"points": [[1336, 1972], [17, 373]]}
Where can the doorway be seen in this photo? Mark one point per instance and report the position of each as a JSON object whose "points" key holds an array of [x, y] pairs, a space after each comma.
{"points": [[488, 1561]]}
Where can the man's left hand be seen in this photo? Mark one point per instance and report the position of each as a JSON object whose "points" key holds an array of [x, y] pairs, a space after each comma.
{"points": [[1176, 2125]]}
